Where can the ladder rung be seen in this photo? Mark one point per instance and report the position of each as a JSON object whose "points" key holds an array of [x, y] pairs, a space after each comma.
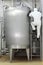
{"points": [[36, 47], [35, 55]]}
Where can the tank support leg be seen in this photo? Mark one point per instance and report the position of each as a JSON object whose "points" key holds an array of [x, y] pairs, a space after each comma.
{"points": [[27, 52], [10, 55]]}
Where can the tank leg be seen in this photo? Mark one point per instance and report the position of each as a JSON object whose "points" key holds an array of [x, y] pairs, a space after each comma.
{"points": [[10, 55], [27, 52]]}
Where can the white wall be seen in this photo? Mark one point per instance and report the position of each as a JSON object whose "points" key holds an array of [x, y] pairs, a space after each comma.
{"points": [[1, 10], [30, 2]]}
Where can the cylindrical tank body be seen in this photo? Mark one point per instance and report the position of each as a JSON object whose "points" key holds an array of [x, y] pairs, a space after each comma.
{"points": [[17, 27]]}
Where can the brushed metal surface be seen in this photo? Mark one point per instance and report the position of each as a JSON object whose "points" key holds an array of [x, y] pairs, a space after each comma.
{"points": [[16, 25]]}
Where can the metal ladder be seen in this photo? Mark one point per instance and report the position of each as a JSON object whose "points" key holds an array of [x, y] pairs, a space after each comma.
{"points": [[35, 45]]}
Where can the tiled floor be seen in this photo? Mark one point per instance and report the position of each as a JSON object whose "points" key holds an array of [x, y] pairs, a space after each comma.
{"points": [[4, 60]]}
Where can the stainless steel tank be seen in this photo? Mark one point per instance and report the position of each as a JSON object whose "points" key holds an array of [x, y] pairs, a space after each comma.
{"points": [[17, 26]]}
